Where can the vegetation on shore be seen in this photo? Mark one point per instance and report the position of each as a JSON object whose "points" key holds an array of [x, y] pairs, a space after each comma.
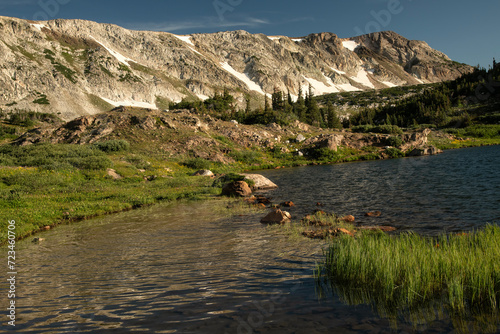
{"points": [[408, 271], [45, 184], [417, 278]]}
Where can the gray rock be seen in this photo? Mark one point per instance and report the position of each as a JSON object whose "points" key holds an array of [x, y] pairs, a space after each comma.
{"points": [[204, 172], [114, 174], [260, 182], [300, 138]]}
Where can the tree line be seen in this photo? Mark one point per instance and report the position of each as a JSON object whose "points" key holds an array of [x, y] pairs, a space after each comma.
{"points": [[447, 104]]}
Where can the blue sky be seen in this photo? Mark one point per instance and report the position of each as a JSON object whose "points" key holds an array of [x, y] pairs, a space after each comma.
{"points": [[467, 31]]}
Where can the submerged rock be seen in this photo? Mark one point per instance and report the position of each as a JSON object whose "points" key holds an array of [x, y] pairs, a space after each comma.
{"points": [[373, 214]]}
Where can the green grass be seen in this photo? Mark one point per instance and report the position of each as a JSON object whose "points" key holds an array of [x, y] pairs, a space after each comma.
{"points": [[65, 71], [77, 194], [404, 271]]}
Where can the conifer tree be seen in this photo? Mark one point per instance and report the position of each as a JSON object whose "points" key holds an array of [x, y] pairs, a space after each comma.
{"points": [[278, 102], [266, 103], [332, 117], [247, 107]]}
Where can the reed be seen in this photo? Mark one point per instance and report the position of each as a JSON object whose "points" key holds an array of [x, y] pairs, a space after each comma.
{"points": [[462, 271]]}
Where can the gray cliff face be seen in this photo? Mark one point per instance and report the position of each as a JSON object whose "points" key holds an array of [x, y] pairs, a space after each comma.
{"points": [[75, 67]]}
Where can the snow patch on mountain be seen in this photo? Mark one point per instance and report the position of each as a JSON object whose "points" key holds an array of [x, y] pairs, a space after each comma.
{"points": [[321, 88], [363, 79], [186, 39], [130, 103], [122, 59], [348, 88], [202, 97], [38, 26], [389, 84], [337, 71], [242, 77], [351, 45]]}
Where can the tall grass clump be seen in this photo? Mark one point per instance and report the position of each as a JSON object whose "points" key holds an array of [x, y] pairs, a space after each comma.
{"points": [[463, 271]]}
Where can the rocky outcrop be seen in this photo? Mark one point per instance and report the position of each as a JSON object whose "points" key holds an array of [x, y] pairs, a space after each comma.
{"points": [[417, 58], [431, 150], [416, 139], [75, 67], [331, 142]]}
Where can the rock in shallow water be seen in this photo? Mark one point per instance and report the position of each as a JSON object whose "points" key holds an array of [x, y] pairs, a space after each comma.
{"points": [[276, 217], [237, 188]]}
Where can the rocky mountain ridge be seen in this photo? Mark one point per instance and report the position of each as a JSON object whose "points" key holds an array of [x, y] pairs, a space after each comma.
{"points": [[75, 67], [184, 133]]}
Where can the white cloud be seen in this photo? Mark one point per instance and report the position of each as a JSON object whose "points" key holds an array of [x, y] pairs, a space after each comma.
{"points": [[207, 22]]}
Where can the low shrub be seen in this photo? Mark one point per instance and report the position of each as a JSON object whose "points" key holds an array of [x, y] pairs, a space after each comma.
{"points": [[197, 163], [138, 161], [324, 154], [394, 152], [394, 141], [113, 146], [247, 157], [386, 129], [231, 177]]}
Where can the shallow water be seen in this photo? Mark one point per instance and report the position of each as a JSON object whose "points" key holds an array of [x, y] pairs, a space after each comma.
{"points": [[184, 268]]}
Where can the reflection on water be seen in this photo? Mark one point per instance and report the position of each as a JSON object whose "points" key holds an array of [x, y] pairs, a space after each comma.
{"points": [[420, 315], [454, 191], [186, 269]]}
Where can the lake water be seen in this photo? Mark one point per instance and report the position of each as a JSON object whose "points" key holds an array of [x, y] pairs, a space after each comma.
{"points": [[184, 268], [454, 191]]}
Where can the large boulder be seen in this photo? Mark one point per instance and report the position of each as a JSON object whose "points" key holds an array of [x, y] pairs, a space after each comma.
{"points": [[204, 172], [237, 189], [260, 182], [276, 217]]}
